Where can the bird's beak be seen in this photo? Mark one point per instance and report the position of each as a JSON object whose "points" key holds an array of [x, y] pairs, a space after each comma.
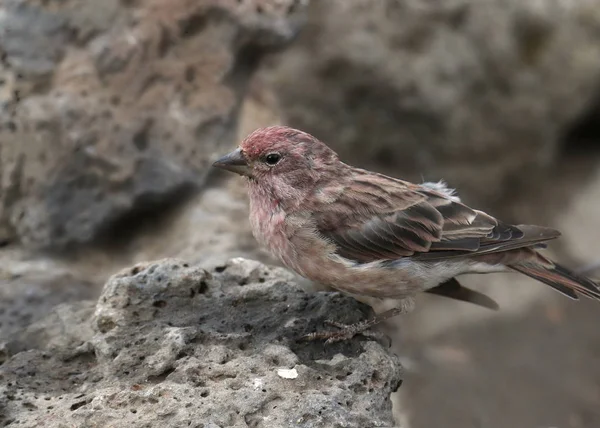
{"points": [[234, 162]]}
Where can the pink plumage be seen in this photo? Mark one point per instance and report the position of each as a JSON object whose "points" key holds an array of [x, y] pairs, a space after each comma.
{"points": [[375, 236]]}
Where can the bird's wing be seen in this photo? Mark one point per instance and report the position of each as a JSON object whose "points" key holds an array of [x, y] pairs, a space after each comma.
{"points": [[375, 217]]}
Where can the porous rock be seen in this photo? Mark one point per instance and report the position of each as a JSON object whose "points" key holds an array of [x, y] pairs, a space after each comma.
{"points": [[172, 345], [111, 108], [477, 92]]}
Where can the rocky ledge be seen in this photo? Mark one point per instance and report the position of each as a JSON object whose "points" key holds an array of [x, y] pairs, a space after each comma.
{"points": [[173, 345]]}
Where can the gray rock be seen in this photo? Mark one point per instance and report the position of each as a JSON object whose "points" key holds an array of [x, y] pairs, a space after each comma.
{"points": [[112, 109], [180, 346], [28, 297], [479, 93]]}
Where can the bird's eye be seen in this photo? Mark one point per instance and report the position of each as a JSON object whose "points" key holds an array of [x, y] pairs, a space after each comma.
{"points": [[272, 158]]}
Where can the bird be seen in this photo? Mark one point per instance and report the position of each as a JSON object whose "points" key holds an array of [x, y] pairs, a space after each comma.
{"points": [[376, 237]]}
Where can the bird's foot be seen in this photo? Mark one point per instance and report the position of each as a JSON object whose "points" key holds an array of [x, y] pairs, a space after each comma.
{"points": [[345, 332], [348, 331]]}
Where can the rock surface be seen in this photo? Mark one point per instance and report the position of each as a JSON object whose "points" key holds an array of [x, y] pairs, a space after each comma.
{"points": [[408, 87], [173, 345], [479, 93], [109, 109], [26, 297]]}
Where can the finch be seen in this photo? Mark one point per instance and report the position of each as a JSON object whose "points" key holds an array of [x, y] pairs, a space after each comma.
{"points": [[378, 237]]}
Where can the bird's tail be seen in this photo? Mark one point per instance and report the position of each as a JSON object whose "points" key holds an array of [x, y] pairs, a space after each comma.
{"points": [[561, 279]]}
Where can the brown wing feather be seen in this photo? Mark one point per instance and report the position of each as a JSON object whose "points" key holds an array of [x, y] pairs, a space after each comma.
{"points": [[380, 218], [455, 290]]}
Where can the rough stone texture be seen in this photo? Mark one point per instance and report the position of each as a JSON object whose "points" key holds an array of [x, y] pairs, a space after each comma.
{"points": [[29, 292], [173, 345], [111, 108], [478, 92], [504, 363]]}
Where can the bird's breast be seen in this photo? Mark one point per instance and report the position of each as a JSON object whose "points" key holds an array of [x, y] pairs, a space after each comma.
{"points": [[267, 221]]}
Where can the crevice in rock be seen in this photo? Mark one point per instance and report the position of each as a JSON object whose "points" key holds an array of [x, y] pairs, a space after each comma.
{"points": [[574, 163], [583, 135], [151, 212]]}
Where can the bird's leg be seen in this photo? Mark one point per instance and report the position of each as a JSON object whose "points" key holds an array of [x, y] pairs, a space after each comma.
{"points": [[348, 331]]}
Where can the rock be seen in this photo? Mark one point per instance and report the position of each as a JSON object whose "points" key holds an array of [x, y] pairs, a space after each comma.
{"points": [[181, 346], [479, 93], [210, 229], [110, 110], [66, 330], [27, 297]]}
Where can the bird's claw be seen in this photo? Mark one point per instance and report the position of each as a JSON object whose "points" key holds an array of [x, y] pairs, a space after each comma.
{"points": [[329, 336], [346, 332], [339, 325]]}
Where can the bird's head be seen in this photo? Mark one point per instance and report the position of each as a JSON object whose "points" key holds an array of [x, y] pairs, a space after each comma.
{"points": [[282, 159]]}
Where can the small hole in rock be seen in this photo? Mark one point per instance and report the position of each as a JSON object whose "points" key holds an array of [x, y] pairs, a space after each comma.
{"points": [[190, 74], [77, 405]]}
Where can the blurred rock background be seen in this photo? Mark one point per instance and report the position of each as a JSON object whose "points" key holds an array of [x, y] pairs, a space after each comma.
{"points": [[112, 112]]}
